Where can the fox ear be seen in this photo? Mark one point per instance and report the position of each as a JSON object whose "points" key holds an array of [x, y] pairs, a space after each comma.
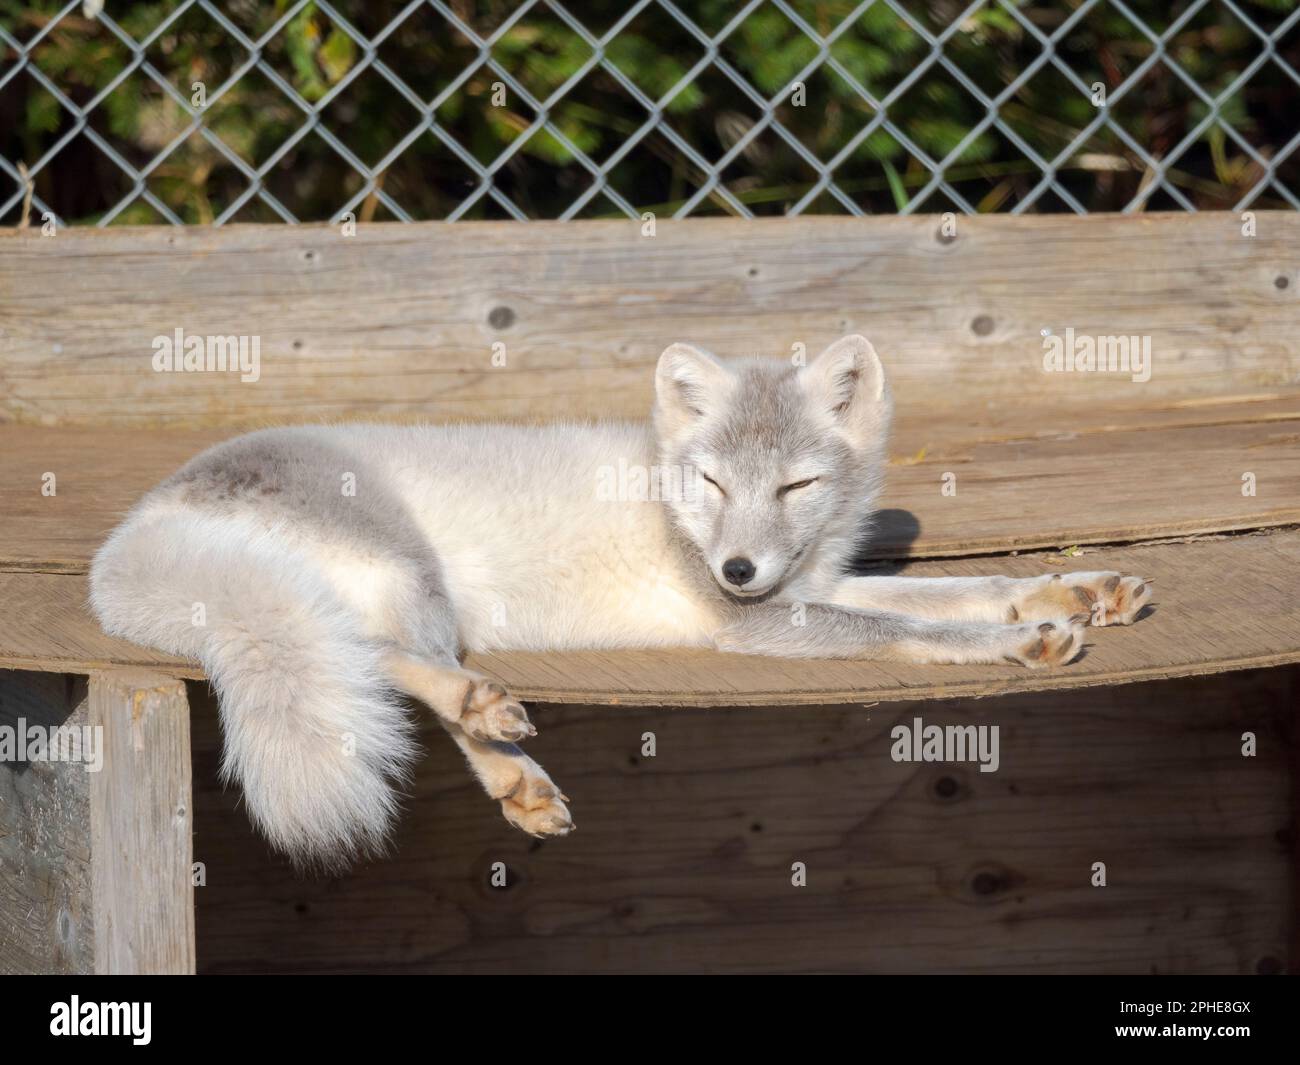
{"points": [[847, 381], [689, 383]]}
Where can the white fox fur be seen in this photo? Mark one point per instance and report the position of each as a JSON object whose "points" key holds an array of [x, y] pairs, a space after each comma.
{"points": [[320, 573]]}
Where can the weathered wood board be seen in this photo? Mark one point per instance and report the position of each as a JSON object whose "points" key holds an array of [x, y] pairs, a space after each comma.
{"points": [[402, 319], [95, 852], [141, 824], [682, 862], [1221, 604]]}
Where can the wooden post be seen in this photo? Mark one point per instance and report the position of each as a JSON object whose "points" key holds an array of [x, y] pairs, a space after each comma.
{"points": [[140, 825], [46, 923]]}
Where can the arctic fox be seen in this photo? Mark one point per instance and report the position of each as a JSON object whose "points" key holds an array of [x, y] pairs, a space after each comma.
{"points": [[320, 573]]}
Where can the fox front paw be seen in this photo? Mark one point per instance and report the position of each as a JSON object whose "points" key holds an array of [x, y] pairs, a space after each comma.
{"points": [[1106, 598], [1049, 643], [489, 713]]}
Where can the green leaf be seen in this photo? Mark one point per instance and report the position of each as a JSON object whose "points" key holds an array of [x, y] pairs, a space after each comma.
{"points": [[337, 55], [42, 113], [895, 184], [301, 41]]}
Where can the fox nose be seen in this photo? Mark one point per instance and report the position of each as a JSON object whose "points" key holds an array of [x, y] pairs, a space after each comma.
{"points": [[737, 570]]}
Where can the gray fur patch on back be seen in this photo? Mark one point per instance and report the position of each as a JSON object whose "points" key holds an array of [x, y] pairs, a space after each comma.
{"points": [[297, 475]]}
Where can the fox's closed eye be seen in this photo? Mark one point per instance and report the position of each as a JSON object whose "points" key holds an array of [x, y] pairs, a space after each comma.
{"points": [[712, 482], [795, 486]]}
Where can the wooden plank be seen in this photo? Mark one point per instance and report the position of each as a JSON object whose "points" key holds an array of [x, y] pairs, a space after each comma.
{"points": [[402, 319], [682, 862], [46, 911], [97, 476], [140, 825], [46, 625], [1051, 478], [1224, 603]]}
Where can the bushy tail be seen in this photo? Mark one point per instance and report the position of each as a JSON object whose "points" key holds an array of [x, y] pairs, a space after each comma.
{"points": [[313, 733]]}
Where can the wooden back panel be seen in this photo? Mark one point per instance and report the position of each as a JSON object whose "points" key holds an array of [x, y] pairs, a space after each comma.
{"points": [[400, 321]]}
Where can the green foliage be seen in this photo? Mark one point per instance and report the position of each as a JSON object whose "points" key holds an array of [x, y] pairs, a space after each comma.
{"points": [[877, 59]]}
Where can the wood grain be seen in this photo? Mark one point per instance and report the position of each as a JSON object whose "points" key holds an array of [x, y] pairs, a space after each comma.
{"points": [[1221, 604], [682, 862], [140, 825], [401, 320]]}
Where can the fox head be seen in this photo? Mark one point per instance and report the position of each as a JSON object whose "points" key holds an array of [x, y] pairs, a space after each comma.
{"points": [[784, 462]]}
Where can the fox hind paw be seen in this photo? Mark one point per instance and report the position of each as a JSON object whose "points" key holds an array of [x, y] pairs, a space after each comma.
{"points": [[488, 713], [536, 806]]}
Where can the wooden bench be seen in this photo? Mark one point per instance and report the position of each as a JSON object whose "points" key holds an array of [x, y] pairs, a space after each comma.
{"points": [[1131, 756]]}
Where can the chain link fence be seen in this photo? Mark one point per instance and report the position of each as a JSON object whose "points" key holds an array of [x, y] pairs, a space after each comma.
{"points": [[199, 112]]}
